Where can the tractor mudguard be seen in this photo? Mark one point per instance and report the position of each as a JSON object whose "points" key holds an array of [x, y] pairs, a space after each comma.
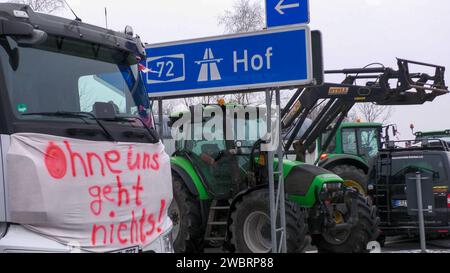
{"points": [[302, 180], [192, 180], [337, 159], [187, 180]]}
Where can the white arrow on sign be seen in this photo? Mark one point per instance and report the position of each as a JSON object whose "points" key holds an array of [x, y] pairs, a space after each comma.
{"points": [[280, 7]]}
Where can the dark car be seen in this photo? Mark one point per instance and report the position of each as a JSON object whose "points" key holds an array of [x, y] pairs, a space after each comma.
{"points": [[392, 186]]}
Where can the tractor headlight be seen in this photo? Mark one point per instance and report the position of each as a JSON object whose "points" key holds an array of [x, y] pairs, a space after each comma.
{"points": [[332, 186]]}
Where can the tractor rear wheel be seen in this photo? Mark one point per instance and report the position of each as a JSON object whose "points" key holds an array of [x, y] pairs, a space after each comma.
{"points": [[251, 229], [185, 213], [353, 177], [354, 239]]}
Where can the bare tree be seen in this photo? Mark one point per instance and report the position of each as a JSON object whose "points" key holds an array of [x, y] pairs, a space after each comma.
{"points": [[373, 113], [245, 16], [239, 98], [48, 6], [201, 100]]}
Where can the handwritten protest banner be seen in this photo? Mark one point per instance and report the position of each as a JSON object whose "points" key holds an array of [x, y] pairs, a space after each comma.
{"points": [[103, 196]]}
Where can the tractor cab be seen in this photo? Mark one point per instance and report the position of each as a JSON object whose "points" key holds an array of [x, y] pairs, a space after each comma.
{"points": [[351, 150], [221, 155], [361, 140]]}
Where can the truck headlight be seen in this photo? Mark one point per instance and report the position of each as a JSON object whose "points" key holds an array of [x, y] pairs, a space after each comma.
{"points": [[168, 243]]}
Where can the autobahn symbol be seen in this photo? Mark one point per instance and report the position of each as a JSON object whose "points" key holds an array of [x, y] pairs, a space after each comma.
{"points": [[209, 70]]}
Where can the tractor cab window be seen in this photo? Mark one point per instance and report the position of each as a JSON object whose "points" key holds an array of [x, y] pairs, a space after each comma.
{"points": [[247, 136], [332, 147], [212, 160], [349, 144], [363, 142], [368, 142]]}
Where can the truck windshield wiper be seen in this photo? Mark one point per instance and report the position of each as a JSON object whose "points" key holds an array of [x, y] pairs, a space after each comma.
{"points": [[80, 115], [129, 118]]}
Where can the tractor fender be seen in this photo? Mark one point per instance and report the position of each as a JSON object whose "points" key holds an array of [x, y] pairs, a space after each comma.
{"points": [[193, 181], [201, 195], [188, 182], [334, 161]]}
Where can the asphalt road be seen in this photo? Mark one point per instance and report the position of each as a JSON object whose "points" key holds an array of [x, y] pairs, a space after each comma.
{"points": [[405, 245], [394, 245]]}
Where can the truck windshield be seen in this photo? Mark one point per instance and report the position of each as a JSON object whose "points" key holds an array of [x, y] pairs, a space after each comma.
{"points": [[65, 75]]}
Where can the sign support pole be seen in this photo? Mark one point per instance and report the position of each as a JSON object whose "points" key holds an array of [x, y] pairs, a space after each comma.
{"points": [[161, 119], [281, 189], [276, 198], [269, 164], [423, 243]]}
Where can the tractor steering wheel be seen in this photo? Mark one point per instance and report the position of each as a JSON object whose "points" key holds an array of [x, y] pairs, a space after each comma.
{"points": [[256, 149], [220, 155]]}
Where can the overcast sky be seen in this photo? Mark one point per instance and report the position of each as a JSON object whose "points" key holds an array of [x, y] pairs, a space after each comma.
{"points": [[356, 33]]}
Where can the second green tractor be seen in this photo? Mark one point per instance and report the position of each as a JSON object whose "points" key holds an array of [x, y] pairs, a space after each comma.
{"points": [[352, 149], [222, 198]]}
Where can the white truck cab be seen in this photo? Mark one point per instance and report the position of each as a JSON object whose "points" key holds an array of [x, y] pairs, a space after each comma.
{"points": [[82, 168]]}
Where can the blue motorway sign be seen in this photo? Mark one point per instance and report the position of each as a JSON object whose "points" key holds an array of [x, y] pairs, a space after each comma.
{"points": [[287, 12], [252, 61]]}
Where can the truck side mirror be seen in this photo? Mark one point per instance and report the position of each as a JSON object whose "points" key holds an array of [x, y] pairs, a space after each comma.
{"points": [[25, 34], [9, 28], [38, 37]]}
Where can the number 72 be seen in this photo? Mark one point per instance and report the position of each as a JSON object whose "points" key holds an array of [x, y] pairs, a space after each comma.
{"points": [[162, 65]]}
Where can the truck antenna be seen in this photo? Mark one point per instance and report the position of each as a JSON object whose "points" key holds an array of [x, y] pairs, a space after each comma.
{"points": [[70, 8], [106, 16]]}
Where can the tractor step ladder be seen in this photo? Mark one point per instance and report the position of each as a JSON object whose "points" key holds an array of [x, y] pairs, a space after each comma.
{"points": [[385, 161], [214, 223]]}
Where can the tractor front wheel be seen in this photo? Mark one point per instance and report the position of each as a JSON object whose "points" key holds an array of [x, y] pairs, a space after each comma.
{"points": [[355, 238], [251, 227], [185, 214]]}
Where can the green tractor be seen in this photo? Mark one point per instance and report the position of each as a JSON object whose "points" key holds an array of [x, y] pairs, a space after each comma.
{"points": [[443, 135], [221, 193], [351, 151]]}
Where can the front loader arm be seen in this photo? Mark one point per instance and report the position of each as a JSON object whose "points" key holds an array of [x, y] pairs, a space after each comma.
{"points": [[339, 99]]}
